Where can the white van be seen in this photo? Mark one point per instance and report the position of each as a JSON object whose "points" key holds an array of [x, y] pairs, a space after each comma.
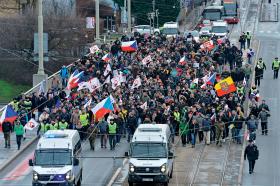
{"points": [[151, 155], [56, 159], [170, 29], [220, 28]]}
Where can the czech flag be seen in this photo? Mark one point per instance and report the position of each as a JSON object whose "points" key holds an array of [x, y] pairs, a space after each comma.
{"points": [[74, 79], [211, 79], [106, 58], [183, 61], [8, 115], [225, 86], [103, 108], [129, 46]]}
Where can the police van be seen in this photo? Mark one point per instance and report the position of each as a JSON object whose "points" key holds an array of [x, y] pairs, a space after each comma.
{"points": [[56, 159], [151, 155]]}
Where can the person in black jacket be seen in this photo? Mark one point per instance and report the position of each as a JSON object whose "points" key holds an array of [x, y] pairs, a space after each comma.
{"points": [[7, 128], [252, 154], [131, 125]]}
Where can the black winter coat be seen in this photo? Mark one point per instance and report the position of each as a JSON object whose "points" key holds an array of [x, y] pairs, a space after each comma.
{"points": [[251, 152]]}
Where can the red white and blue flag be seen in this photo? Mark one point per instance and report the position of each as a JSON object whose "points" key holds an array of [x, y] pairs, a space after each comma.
{"points": [[211, 79], [106, 57], [8, 114], [75, 79], [103, 108], [129, 46], [183, 61]]}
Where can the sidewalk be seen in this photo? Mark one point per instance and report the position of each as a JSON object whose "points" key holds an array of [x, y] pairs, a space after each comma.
{"points": [[6, 154]]}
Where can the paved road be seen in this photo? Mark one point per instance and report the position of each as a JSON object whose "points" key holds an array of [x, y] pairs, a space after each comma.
{"points": [[267, 167], [98, 166]]}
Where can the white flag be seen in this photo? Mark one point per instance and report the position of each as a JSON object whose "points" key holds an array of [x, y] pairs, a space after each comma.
{"points": [[136, 83], [144, 106], [83, 85], [94, 84], [31, 124], [94, 49], [115, 82], [108, 80], [122, 77], [195, 81], [88, 103], [107, 70], [147, 59], [244, 82]]}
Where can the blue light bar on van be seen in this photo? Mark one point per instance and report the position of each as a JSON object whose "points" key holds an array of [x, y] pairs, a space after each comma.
{"points": [[53, 135]]}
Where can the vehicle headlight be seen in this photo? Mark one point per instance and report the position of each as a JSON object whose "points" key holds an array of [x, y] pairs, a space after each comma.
{"points": [[35, 176], [131, 167], [163, 168], [68, 175]]}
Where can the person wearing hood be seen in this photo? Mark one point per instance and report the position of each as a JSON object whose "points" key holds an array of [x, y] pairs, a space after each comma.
{"points": [[206, 126]]}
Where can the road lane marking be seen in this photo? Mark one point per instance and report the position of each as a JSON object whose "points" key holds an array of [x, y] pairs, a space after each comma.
{"points": [[20, 170]]}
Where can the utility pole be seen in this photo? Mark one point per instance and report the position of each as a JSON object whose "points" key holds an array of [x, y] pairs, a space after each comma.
{"points": [[150, 19], [40, 38], [97, 37], [129, 16], [40, 76], [157, 16], [153, 15]]}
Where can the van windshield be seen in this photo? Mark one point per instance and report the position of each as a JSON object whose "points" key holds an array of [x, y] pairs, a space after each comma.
{"points": [[148, 150], [170, 31], [219, 29], [53, 157]]}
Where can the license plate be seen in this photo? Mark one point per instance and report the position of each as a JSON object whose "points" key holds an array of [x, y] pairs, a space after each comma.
{"points": [[148, 179]]}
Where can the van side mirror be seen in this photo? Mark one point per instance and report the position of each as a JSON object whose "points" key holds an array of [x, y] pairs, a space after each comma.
{"points": [[30, 162], [170, 155], [126, 154], [76, 162]]}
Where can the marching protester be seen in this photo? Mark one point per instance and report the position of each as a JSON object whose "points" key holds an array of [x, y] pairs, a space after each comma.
{"points": [[177, 81]]}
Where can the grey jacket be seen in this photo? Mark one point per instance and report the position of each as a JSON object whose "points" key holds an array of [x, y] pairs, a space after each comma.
{"points": [[263, 115]]}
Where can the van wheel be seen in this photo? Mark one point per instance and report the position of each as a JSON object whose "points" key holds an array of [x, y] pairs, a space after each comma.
{"points": [[165, 184], [130, 184]]}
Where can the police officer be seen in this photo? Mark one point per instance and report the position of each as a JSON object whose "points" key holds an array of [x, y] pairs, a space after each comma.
{"points": [[84, 122], [63, 124], [248, 38], [112, 131], [252, 154], [261, 65], [275, 67], [177, 118]]}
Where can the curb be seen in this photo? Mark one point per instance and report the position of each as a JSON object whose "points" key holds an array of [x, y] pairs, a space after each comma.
{"points": [[240, 175], [18, 153], [116, 174]]}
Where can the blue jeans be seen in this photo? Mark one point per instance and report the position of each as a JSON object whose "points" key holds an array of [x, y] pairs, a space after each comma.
{"points": [[237, 135], [193, 134]]}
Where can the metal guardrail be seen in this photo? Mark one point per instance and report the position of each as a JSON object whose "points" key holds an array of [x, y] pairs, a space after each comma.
{"points": [[38, 85]]}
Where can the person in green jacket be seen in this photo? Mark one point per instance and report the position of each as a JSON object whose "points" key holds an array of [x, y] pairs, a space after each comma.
{"points": [[19, 130], [183, 127]]}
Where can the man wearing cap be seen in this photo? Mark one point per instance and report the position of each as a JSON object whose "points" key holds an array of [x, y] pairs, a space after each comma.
{"points": [[275, 67], [252, 154]]}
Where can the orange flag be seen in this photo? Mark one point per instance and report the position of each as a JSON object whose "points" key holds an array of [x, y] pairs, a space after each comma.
{"points": [[225, 86]]}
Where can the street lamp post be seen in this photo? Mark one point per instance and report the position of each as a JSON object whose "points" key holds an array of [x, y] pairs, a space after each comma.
{"points": [[40, 76], [97, 37]]}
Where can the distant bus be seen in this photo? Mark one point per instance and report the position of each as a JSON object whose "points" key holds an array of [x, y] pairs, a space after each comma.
{"points": [[213, 13], [230, 7]]}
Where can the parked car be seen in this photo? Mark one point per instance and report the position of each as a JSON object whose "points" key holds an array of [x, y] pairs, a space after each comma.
{"points": [[145, 29], [231, 20], [194, 33], [205, 32]]}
